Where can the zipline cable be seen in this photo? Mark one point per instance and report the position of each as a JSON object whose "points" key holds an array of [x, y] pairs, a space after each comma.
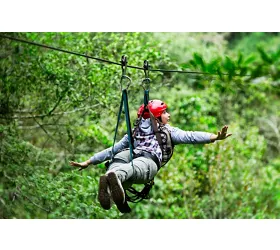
{"points": [[111, 62], [57, 49]]}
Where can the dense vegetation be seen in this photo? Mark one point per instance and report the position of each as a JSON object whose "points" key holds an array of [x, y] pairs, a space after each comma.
{"points": [[56, 107]]}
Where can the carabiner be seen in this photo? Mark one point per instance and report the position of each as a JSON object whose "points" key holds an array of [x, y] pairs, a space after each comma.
{"points": [[147, 79], [124, 76], [129, 81]]}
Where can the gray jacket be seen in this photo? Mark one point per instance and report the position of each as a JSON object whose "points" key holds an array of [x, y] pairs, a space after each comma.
{"points": [[178, 136]]}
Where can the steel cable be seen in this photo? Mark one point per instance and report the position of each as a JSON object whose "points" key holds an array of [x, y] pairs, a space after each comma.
{"points": [[111, 62]]}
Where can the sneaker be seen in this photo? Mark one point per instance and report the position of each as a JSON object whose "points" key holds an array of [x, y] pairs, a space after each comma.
{"points": [[104, 193], [118, 194]]}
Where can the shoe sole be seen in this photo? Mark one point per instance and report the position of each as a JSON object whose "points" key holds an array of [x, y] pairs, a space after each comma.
{"points": [[118, 194], [103, 195]]}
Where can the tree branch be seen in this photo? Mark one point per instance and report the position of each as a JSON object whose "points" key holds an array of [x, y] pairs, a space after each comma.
{"points": [[55, 106], [35, 204], [53, 114], [37, 126]]}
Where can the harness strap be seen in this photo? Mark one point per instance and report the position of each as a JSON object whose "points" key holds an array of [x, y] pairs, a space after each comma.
{"points": [[144, 194], [147, 155], [117, 126], [139, 196], [155, 128], [128, 124], [146, 97], [124, 102]]}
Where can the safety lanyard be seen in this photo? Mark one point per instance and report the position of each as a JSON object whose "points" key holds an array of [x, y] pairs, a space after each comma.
{"points": [[124, 103], [146, 83]]}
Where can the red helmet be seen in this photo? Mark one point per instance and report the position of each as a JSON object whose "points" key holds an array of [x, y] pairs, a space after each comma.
{"points": [[156, 106]]}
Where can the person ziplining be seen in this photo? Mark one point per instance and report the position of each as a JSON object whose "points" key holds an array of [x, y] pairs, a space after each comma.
{"points": [[138, 156]]}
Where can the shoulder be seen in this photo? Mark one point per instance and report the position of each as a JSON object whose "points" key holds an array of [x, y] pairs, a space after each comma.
{"points": [[170, 128]]}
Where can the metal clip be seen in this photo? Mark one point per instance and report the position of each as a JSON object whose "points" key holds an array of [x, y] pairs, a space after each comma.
{"points": [[124, 76], [146, 80]]}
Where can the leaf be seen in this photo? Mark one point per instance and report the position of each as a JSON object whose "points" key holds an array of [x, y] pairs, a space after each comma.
{"points": [[249, 59], [199, 60], [264, 55], [213, 66], [240, 59], [243, 71], [229, 64]]}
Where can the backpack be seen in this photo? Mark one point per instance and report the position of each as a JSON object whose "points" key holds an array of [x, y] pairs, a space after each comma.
{"points": [[166, 144], [164, 141]]}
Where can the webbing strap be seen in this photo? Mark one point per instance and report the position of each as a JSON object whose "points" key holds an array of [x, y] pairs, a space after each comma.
{"points": [[124, 103], [117, 126], [155, 128], [128, 124], [137, 196], [146, 97]]}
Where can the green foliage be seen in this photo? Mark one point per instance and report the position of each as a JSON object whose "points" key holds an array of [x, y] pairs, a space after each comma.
{"points": [[225, 180], [56, 107], [32, 186]]}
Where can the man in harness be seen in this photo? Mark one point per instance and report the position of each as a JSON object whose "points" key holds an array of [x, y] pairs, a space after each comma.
{"points": [[153, 141]]}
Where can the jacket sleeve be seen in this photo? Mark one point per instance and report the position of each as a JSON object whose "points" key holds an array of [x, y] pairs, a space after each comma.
{"points": [[179, 136], [106, 154]]}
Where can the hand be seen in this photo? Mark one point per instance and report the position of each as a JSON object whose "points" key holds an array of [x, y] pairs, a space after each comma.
{"points": [[81, 165], [221, 134]]}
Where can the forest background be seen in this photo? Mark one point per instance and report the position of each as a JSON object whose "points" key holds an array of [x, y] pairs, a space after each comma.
{"points": [[56, 107]]}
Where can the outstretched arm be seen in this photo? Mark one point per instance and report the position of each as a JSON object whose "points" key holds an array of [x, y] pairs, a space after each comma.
{"points": [[102, 156], [80, 165], [221, 134]]}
